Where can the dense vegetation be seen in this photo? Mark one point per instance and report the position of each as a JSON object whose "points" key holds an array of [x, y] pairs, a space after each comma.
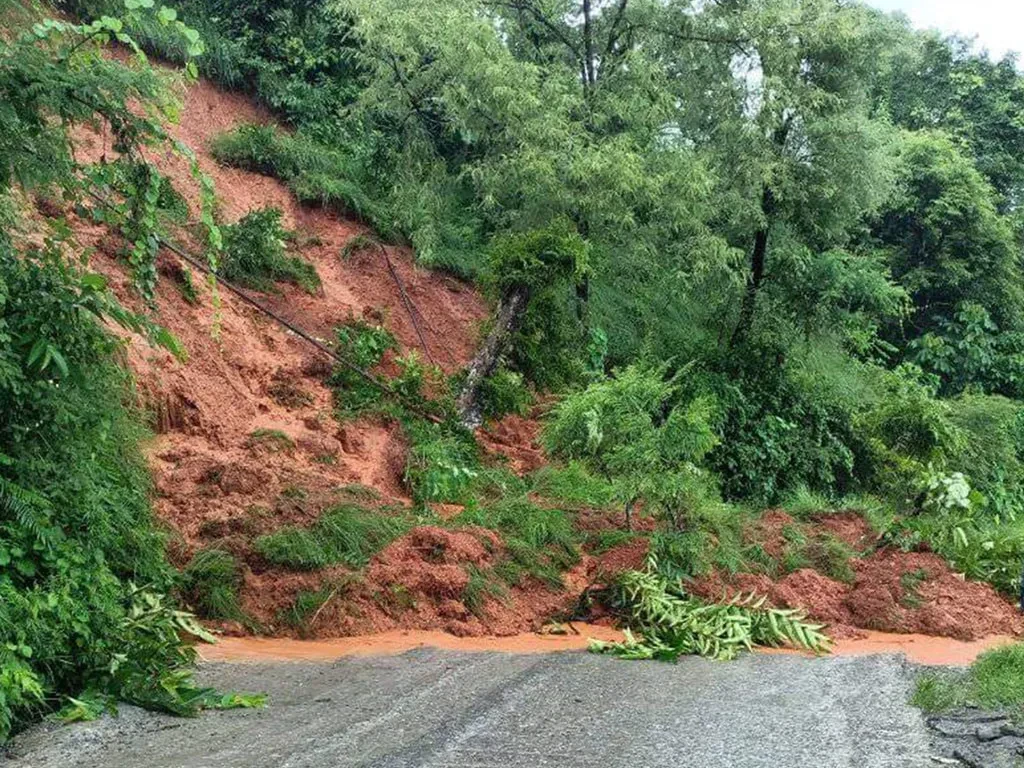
{"points": [[764, 250], [84, 611], [770, 247]]}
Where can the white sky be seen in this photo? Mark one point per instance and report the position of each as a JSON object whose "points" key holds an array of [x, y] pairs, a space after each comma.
{"points": [[998, 24]]}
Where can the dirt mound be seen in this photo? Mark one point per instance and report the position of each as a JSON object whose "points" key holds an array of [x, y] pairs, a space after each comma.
{"points": [[890, 591], [247, 441], [420, 582], [849, 527]]}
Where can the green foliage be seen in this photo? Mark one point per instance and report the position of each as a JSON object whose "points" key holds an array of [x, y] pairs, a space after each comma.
{"points": [[949, 242], [708, 535], [480, 587], [503, 393], [210, 584], [573, 484], [782, 429], [442, 462], [76, 527], [631, 429], [673, 624], [365, 346], [255, 254], [348, 535], [540, 542], [315, 173], [994, 681]]}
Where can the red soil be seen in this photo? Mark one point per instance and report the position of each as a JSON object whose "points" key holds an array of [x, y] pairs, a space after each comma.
{"points": [[215, 485], [516, 439], [892, 591]]}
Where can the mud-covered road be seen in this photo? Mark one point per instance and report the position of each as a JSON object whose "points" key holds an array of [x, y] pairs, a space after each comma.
{"points": [[442, 708]]}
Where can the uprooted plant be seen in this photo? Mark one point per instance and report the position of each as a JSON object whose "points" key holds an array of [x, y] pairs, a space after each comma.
{"points": [[664, 622]]}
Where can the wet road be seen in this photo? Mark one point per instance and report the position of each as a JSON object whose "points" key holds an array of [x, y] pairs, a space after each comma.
{"points": [[456, 710]]}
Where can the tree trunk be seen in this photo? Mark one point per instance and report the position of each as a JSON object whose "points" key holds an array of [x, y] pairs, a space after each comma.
{"points": [[758, 259], [590, 66], [507, 320], [629, 514]]}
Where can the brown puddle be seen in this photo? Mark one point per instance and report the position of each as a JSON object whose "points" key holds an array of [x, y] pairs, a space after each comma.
{"points": [[921, 649], [398, 641]]}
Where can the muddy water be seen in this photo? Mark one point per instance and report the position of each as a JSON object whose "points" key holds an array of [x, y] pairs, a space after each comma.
{"points": [[918, 648], [398, 641]]}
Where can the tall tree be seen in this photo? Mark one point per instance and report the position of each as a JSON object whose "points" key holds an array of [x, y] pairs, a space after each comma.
{"points": [[798, 144]]}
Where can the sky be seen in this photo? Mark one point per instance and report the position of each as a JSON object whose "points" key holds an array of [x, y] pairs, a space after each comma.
{"points": [[998, 24]]}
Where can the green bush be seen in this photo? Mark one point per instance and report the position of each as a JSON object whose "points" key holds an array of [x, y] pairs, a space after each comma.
{"points": [[210, 584], [348, 535], [365, 346], [540, 542], [255, 254], [505, 392], [442, 462], [781, 431], [991, 454], [633, 430], [994, 681]]}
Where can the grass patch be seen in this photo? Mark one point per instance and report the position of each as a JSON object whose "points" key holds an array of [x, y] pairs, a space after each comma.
{"points": [[803, 503], [994, 681], [599, 542], [831, 556], [255, 254], [482, 585], [308, 605], [210, 584], [573, 484], [314, 173], [540, 542], [910, 582], [348, 535], [273, 440], [359, 492]]}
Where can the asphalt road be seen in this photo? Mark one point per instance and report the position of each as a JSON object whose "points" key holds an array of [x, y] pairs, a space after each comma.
{"points": [[456, 710]]}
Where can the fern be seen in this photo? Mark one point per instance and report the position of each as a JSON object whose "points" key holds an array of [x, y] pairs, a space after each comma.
{"points": [[672, 623]]}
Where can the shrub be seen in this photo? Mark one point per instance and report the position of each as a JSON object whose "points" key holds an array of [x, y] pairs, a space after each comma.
{"points": [[348, 535], [255, 254], [540, 542], [781, 430], [994, 681], [210, 584], [442, 462], [632, 430], [505, 392], [365, 346]]}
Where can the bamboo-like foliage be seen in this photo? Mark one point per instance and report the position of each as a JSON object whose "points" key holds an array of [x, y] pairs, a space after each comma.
{"points": [[670, 623]]}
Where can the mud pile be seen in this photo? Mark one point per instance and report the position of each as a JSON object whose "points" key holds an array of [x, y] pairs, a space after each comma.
{"points": [[889, 590]]}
